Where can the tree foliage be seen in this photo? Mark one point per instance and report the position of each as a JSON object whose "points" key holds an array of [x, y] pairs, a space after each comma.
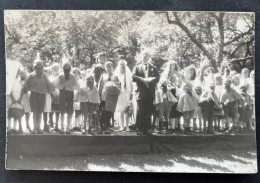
{"points": [[218, 39]]}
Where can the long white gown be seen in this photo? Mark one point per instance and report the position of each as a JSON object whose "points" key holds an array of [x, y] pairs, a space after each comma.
{"points": [[124, 97]]}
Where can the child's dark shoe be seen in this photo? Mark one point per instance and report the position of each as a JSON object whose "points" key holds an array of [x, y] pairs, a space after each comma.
{"points": [[56, 129], [62, 131], [90, 132], [34, 131], [40, 131], [10, 132], [47, 129], [20, 131]]}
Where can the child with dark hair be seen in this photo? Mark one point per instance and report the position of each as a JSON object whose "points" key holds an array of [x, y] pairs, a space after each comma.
{"points": [[67, 83]]}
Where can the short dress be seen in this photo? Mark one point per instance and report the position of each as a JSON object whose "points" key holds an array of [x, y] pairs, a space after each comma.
{"points": [[123, 100], [186, 105]]}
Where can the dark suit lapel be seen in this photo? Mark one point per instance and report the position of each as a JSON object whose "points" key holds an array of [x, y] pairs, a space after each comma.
{"points": [[141, 71], [149, 70]]}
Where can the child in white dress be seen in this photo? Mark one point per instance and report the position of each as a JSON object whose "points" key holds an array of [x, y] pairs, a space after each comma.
{"points": [[18, 100]]}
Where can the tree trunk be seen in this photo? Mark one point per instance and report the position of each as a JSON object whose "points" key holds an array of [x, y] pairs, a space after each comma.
{"points": [[192, 38], [221, 38]]}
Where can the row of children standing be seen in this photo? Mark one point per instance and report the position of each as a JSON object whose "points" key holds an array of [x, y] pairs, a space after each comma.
{"points": [[213, 102]]}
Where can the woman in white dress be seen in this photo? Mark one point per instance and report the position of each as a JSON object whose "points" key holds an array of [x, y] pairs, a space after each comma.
{"points": [[124, 100]]}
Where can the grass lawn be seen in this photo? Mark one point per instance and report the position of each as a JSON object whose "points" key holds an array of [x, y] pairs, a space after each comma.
{"points": [[239, 161]]}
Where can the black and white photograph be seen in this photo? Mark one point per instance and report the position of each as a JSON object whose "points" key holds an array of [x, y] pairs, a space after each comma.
{"points": [[130, 91]]}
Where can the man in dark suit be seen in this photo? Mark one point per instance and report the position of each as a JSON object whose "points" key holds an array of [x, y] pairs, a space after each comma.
{"points": [[146, 76]]}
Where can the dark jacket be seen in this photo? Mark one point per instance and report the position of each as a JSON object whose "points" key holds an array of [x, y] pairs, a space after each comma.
{"points": [[138, 76]]}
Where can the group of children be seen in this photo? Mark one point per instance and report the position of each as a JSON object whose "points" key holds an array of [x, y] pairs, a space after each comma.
{"points": [[183, 102], [207, 104]]}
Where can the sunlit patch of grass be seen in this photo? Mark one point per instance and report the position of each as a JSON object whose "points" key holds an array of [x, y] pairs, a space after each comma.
{"points": [[130, 168], [236, 161], [94, 167], [183, 167]]}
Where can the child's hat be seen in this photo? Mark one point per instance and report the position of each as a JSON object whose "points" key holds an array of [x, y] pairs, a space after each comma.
{"points": [[38, 63], [66, 65]]}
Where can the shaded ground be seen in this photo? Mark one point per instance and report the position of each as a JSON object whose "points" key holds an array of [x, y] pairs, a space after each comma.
{"points": [[241, 161]]}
